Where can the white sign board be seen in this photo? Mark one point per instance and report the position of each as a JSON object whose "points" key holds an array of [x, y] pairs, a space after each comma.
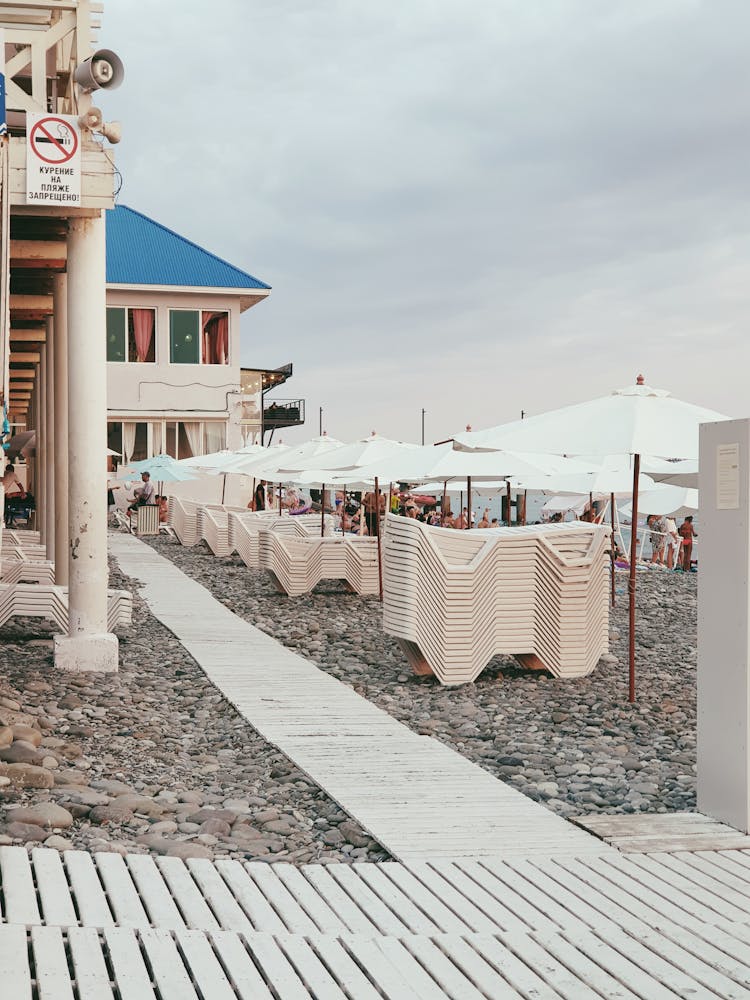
{"points": [[53, 160], [728, 477]]}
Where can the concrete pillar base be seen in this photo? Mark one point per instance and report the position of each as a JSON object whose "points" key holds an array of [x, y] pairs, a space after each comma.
{"points": [[97, 652]]}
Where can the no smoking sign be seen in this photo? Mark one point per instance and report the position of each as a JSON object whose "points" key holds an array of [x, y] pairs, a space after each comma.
{"points": [[53, 160], [54, 140]]}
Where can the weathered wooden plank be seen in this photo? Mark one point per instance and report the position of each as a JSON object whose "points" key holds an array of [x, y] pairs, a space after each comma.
{"points": [[15, 974], [18, 886]]}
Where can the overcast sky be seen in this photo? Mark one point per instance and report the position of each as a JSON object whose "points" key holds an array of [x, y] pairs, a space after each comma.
{"points": [[471, 207]]}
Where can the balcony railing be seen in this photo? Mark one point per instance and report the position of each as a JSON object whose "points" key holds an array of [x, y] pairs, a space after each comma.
{"points": [[284, 413]]}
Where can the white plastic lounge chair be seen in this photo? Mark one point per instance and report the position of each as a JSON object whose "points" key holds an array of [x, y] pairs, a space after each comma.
{"points": [[455, 599]]}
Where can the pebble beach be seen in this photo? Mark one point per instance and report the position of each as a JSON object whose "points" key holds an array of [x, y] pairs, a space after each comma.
{"points": [[154, 759]]}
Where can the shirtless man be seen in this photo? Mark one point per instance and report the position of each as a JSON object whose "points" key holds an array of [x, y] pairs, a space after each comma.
{"points": [[485, 520], [370, 503]]}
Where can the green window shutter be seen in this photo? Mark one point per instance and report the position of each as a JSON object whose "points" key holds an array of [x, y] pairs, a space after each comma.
{"points": [[184, 337], [116, 334]]}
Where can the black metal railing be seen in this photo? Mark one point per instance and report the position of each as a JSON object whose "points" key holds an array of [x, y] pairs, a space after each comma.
{"points": [[284, 413]]}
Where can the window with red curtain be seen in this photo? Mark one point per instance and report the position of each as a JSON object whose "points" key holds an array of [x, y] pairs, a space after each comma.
{"points": [[141, 340], [215, 338]]}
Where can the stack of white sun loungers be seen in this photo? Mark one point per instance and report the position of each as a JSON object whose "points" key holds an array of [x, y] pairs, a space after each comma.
{"points": [[245, 527], [212, 525], [296, 565], [27, 585], [23, 559], [46, 601], [187, 523], [455, 599]]}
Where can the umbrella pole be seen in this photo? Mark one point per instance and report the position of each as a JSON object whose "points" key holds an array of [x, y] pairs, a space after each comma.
{"points": [[223, 488], [377, 533], [468, 500], [507, 494], [322, 510], [523, 509], [442, 508], [390, 497], [612, 546], [631, 581]]}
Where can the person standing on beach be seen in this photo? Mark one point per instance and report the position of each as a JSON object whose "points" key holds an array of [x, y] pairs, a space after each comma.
{"points": [[687, 533], [673, 543]]}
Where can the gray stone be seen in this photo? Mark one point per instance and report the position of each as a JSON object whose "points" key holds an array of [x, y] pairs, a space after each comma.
{"points": [[27, 775], [43, 814], [26, 832]]}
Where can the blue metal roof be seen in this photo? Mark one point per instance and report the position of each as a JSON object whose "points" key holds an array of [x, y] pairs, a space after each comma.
{"points": [[143, 252]]}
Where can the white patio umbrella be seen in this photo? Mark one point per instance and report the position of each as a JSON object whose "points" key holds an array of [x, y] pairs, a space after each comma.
{"points": [[636, 420], [358, 453], [283, 456], [443, 463], [350, 457], [677, 501]]}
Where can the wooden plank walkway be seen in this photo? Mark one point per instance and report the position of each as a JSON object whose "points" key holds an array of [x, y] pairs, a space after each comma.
{"points": [[415, 796], [104, 926], [666, 832]]}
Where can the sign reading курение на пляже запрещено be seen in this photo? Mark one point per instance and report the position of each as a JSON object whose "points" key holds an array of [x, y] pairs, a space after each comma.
{"points": [[53, 160]]}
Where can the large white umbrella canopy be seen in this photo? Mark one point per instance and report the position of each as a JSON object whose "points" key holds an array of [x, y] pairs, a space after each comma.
{"points": [[636, 420], [354, 455], [214, 461], [444, 463], [604, 482], [295, 458], [665, 499], [243, 462]]}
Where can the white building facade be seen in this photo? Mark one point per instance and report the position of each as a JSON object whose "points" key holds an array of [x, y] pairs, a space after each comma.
{"points": [[175, 384]]}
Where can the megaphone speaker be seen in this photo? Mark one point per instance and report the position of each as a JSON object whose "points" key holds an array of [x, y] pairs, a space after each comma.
{"points": [[101, 71]]}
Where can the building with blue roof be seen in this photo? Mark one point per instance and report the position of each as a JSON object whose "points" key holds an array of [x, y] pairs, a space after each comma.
{"points": [[174, 378]]}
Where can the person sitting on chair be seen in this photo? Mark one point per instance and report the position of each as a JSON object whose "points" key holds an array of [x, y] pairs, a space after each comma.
{"points": [[143, 494], [14, 491]]}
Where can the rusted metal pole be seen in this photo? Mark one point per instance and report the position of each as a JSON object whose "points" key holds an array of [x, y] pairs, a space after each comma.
{"points": [[377, 532], [631, 581], [468, 500], [323, 510], [612, 545], [508, 498]]}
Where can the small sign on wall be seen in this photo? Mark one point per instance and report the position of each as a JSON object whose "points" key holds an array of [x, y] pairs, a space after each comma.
{"points": [[53, 160], [728, 477]]}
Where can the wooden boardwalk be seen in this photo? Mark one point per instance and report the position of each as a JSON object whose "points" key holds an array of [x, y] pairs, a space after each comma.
{"points": [[647, 833], [415, 796], [651, 927]]}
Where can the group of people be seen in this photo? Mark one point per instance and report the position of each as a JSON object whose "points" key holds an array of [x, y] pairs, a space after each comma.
{"points": [[670, 545]]}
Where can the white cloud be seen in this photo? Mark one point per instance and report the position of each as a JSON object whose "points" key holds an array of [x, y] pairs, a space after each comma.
{"points": [[475, 208]]}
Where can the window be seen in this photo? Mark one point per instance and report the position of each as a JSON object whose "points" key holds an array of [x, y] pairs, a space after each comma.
{"points": [[131, 335], [198, 337], [184, 338]]}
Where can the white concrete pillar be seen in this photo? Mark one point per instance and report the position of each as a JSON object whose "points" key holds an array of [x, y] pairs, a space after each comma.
{"points": [[60, 361], [41, 446], [724, 623], [88, 646], [50, 441], [34, 470]]}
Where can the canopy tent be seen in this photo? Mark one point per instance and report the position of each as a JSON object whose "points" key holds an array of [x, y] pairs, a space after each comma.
{"points": [[637, 420]]}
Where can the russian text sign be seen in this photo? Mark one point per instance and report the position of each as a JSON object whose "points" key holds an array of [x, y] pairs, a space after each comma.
{"points": [[53, 160]]}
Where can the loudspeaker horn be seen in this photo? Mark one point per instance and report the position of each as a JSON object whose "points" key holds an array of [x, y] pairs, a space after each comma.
{"points": [[103, 70]]}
